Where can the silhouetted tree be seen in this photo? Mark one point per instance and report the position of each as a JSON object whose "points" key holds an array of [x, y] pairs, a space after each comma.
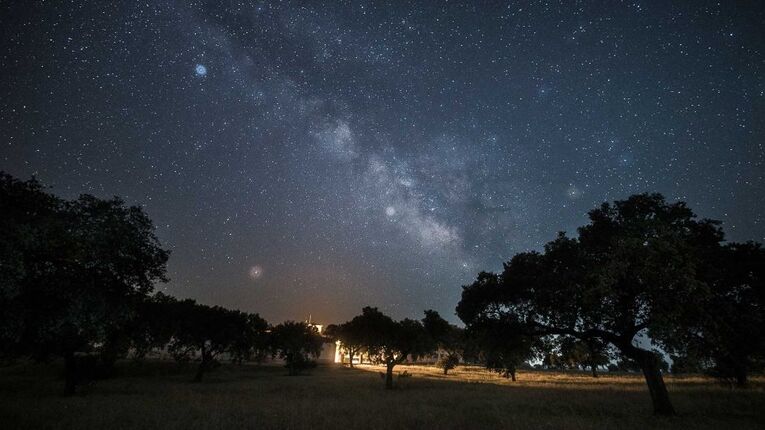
{"points": [[251, 340], [729, 340], [504, 343], [71, 271], [448, 338], [633, 269], [298, 344], [206, 331], [351, 338], [390, 342], [330, 332], [153, 326]]}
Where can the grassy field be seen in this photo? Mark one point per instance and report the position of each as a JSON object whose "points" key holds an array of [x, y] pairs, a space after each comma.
{"points": [[161, 395]]}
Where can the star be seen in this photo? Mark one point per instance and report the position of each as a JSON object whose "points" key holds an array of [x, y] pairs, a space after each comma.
{"points": [[408, 142]]}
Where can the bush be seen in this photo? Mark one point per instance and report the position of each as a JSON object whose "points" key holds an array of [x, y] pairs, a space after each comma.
{"points": [[448, 362]]}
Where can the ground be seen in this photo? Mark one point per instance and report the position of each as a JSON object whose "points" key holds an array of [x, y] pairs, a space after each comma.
{"points": [[161, 395]]}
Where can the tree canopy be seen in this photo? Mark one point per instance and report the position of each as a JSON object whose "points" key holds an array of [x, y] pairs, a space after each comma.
{"points": [[449, 340], [727, 339], [71, 270], [390, 342], [634, 269], [298, 344], [351, 337]]}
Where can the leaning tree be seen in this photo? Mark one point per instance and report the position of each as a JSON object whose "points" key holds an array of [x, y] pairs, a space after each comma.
{"points": [[633, 271]]}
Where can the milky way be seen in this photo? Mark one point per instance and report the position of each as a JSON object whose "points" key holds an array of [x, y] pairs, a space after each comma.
{"points": [[316, 158]]}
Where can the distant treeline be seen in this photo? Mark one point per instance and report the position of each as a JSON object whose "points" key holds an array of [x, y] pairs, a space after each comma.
{"points": [[645, 278], [76, 282]]}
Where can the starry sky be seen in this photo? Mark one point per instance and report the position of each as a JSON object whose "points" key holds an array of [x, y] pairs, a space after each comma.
{"points": [[317, 157]]}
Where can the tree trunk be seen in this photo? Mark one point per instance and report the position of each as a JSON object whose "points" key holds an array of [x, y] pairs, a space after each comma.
{"points": [[110, 353], [594, 369], [389, 375], [350, 358], [741, 377], [649, 364], [70, 373], [202, 365], [446, 370], [512, 374]]}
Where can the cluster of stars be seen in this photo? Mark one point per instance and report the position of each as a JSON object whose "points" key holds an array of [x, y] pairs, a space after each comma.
{"points": [[315, 158]]}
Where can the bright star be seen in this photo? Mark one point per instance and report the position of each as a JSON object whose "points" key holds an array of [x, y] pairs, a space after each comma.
{"points": [[573, 192], [200, 70]]}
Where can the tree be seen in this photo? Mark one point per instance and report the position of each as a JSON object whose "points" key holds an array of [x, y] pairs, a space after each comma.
{"points": [[72, 272], [390, 342], [330, 332], [448, 339], [33, 237], [204, 330], [153, 326], [351, 338], [504, 344], [298, 344], [728, 340], [633, 269], [251, 340]]}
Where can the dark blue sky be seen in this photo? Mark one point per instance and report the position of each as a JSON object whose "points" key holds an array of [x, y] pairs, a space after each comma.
{"points": [[314, 158]]}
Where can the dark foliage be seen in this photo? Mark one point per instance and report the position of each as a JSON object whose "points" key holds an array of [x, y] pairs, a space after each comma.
{"points": [[298, 344], [449, 339], [72, 272], [728, 340], [391, 342], [637, 267], [351, 337]]}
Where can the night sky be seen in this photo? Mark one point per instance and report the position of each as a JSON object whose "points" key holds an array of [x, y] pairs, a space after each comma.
{"points": [[312, 159]]}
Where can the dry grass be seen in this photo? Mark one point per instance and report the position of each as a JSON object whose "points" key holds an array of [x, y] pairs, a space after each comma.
{"points": [[160, 395]]}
